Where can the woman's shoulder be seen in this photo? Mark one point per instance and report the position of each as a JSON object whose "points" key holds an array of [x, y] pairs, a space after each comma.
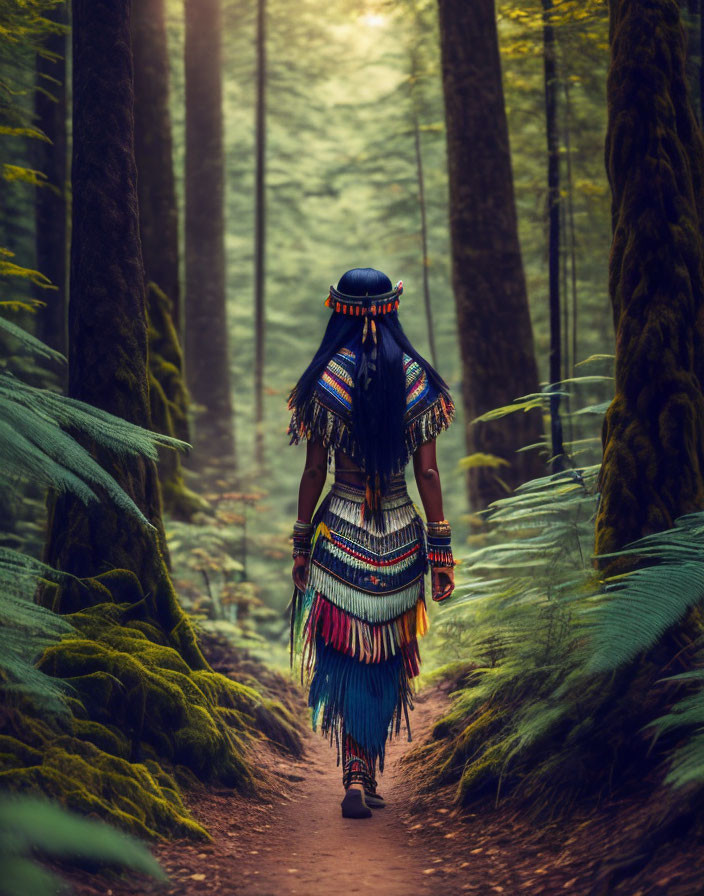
{"points": [[327, 411], [429, 409], [417, 384], [336, 382]]}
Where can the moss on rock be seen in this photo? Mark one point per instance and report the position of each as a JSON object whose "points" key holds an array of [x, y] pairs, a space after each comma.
{"points": [[143, 722], [58, 759]]}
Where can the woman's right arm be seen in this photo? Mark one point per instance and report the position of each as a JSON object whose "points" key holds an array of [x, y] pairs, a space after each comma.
{"points": [[425, 469]]}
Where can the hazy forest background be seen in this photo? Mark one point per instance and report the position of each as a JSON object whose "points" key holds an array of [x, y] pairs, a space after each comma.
{"points": [[277, 144], [347, 88]]}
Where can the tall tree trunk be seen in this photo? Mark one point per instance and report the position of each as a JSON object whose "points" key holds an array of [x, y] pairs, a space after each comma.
{"points": [[415, 72], [260, 235], [574, 322], [496, 340], [158, 213], [424, 238], [550, 67], [701, 64], [107, 327], [653, 435], [692, 23], [158, 228], [51, 200], [206, 339]]}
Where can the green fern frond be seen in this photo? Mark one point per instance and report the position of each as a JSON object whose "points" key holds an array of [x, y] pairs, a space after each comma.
{"points": [[10, 269], [30, 342], [106, 429], [18, 173], [685, 713], [637, 608], [687, 762], [593, 358], [33, 133], [31, 826], [33, 444], [23, 459], [26, 628]]}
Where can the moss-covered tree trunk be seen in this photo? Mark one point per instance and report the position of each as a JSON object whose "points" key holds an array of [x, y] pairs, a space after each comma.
{"points": [[107, 331], [206, 340], [653, 434], [496, 341], [52, 160]]}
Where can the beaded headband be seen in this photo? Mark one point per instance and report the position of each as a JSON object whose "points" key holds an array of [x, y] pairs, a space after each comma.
{"points": [[363, 305]]}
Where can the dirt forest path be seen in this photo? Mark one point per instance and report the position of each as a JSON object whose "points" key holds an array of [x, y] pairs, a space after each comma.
{"points": [[302, 844], [295, 841]]}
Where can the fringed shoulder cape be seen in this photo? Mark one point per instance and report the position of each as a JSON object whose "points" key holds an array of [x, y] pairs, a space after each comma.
{"points": [[357, 624], [327, 414]]}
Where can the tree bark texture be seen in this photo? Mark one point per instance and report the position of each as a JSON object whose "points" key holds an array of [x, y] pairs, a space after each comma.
{"points": [[107, 329], [653, 434], [51, 200], [424, 238], [553, 147], [206, 342], [158, 214], [495, 334], [260, 235], [158, 227]]}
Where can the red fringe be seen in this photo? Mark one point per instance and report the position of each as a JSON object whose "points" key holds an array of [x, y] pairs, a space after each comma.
{"points": [[369, 642]]}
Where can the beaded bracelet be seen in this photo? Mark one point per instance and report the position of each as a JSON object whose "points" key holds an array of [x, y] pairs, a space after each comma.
{"points": [[302, 533], [439, 545]]}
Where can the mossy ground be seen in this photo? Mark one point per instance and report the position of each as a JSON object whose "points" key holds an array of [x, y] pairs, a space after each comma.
{"points": [[142, 722]]}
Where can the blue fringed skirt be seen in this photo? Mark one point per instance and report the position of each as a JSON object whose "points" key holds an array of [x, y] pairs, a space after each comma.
{"points": [[359, 620]]}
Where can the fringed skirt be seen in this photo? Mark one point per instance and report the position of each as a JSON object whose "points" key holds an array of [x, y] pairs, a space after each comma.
{"points": [[359, 620]]}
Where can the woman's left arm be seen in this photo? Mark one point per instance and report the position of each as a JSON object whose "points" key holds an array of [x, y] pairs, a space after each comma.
{"points": [[312, 482]]}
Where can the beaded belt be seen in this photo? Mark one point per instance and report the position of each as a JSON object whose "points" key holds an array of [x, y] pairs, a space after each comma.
{"points": [[395, 495]]}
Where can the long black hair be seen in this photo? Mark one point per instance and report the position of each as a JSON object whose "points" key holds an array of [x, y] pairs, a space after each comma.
{"points": [[379, 395]]}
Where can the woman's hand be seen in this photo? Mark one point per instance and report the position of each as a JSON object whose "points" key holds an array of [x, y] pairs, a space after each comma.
{"points": [[299, 573], [443, 583]]}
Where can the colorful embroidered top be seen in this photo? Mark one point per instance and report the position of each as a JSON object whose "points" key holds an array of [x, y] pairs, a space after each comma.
{"points": [[328, 412]]}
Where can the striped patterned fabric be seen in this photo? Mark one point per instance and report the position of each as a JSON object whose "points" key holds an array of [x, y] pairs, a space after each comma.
{"points": [[328, 413], [360, 618], [357, 624]]}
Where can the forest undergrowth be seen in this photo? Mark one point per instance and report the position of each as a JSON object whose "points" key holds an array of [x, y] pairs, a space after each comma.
{"points": [[567, 689], [109, 708]]}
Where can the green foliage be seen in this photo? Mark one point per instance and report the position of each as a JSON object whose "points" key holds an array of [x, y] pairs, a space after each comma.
{"points": [[34, 446], [581, 33], [635, 609], [686, 717], [542, 635], [24, 26], [216, 564], [344, 81], [128, 676], [29, 825], [27, 341], [26, 628], [133, 691]]}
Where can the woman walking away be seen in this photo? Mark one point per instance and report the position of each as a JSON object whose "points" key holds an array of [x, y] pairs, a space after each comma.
{"points": [[371, 402]]}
